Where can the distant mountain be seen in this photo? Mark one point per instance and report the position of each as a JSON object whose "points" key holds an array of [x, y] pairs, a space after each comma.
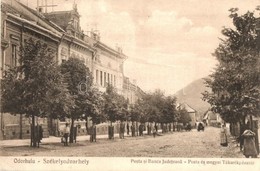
{"points": [[191, 94]]}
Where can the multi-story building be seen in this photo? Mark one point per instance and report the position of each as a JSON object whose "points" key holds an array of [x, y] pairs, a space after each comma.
{"points": [[131, 91], [62, 32], [105, 63], [18, 24]]}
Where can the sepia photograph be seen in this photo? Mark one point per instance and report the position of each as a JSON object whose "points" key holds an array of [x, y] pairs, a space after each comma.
{"points": [[130, 85]]}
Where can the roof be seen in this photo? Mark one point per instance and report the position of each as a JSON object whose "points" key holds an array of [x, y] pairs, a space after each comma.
{"points": [[187, 107], [41, 16], [8, 8], [111, 50], [210, 115], [20, 10], [62, 18]]}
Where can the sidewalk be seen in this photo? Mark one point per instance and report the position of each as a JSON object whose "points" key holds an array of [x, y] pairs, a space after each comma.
{"points": [[50, 139], [53, 139]]}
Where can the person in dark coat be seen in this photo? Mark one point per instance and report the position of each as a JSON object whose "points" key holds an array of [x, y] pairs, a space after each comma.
{"points": [[40, 131], [141, 129], [249, 144], [156, 127]]}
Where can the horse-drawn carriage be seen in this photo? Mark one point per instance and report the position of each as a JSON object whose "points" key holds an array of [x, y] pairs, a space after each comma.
{"points": [[200, 126]]}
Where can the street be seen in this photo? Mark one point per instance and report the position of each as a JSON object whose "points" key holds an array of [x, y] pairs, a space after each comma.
{"points": [[174, 144]]}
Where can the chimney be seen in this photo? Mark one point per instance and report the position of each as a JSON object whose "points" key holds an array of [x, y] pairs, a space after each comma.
{"points": [[40, 10]]}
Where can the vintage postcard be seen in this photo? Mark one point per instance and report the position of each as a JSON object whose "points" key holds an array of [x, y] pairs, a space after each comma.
{"points": [[130, 85]]}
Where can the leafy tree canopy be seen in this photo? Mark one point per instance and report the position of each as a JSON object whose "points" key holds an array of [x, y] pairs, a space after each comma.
{"points": [[79, 80], [115, 106], [35, 87], [236, 80]]}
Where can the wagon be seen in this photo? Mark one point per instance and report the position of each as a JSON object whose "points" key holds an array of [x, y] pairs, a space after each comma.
{"points": [[200, 127]]}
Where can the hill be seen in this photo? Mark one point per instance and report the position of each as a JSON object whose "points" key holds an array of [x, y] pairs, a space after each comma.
{"points": [[191, 94]]}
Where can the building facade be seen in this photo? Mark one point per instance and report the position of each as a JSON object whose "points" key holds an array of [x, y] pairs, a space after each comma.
{"points": [[62, 32], [18, 24]]}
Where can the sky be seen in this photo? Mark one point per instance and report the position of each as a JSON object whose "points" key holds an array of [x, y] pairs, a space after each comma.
{"points": [[169, 43]]}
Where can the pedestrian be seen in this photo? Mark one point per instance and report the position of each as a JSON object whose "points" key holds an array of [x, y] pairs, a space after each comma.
{"points": [[249, 144], [66, 133], [240, 133], [223, 135], [40, 133], [154, 131], [75, 131], [156, 127]]}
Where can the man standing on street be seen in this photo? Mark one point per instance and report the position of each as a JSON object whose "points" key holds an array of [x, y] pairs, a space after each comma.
{"points": [[66, 134]]}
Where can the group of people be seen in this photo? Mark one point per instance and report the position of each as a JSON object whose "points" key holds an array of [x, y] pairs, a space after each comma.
{"points": [[66, 132], [141, 129], [248, 138]]}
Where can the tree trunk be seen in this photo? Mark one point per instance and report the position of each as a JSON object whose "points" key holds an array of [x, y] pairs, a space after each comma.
{"points": [[33, 138], [110, 131], [72, 131], [136, 125], [21, 126], [86, 124]]}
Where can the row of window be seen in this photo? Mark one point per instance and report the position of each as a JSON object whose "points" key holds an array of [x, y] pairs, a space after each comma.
{"points": [[104, 78]]}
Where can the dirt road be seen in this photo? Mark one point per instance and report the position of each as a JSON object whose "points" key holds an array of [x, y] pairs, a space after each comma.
{"points": [[177, 144]]}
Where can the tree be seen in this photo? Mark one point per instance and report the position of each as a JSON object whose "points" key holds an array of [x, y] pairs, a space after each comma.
{"points": [[154, 107], [155, 102], [94, 110], [35, 87], [115, 105], [79, 80], [169, 110], [235, 83]]}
